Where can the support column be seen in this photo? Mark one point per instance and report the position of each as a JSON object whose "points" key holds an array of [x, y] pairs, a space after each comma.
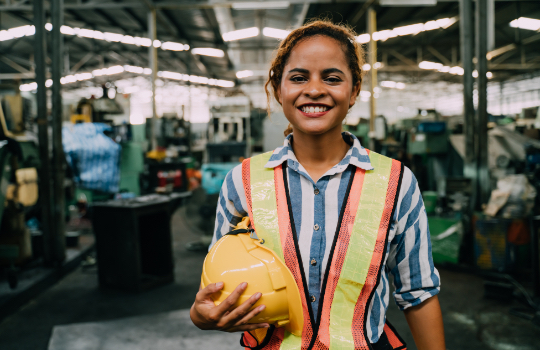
{"points": [[484, 185], [466, 40], [372, 28], [59, 210], [45, 197], [154, 67]]}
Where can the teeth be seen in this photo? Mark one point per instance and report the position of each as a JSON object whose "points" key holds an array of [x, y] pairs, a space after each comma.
{"points": [[317, 109]]}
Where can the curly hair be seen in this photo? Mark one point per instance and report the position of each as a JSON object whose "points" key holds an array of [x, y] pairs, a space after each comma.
{"points": [[342, 33]]}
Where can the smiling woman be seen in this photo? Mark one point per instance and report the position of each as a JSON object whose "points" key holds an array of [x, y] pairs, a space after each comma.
{"points": [[341, 218], [338, 42]]}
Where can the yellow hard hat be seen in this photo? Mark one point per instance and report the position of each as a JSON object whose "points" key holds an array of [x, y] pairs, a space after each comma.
{"points": [[238, 258]]}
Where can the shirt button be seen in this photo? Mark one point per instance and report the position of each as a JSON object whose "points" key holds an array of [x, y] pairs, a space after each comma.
{"points": [[316, 227], [316, 191], [313, 299], [313, 262]]}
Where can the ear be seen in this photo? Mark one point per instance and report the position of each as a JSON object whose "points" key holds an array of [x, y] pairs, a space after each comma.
{"points": [[354, 94], [279, 94]]}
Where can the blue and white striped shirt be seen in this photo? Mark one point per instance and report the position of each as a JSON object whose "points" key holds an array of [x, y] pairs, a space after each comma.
{"points": [[316, 207]]}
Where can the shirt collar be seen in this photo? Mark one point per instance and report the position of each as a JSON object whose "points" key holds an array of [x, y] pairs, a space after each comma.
{"points": [[357, 156]]}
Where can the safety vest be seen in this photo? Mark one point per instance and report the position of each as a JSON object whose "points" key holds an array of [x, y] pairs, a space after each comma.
{"points": [[355, 259]]}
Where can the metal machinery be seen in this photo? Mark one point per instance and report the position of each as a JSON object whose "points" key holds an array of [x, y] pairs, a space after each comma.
{"points": [[19, 162]]}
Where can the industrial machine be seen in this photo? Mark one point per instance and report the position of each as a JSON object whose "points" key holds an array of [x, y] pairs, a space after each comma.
{"points": [[18, 192]]}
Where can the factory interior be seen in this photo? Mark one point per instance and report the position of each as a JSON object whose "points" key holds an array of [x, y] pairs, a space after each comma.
{"points": [[120, 120]]}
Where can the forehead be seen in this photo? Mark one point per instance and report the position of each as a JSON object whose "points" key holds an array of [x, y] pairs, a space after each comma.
{"points": [[318, 52]]}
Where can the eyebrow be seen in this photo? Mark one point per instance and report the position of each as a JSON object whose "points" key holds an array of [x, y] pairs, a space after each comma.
{"points": [[325, 71]]}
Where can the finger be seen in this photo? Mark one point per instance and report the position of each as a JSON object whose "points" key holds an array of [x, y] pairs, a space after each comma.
{"points": [[209, 290], [243, 309], [250, 315], [228, 303], [247, 327]]}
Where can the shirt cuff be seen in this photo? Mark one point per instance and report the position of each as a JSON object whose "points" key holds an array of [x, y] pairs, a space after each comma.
{"points": [[415, 297]]}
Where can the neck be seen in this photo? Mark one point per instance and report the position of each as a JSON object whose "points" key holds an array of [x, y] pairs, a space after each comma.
{"points": [[319, 153]]}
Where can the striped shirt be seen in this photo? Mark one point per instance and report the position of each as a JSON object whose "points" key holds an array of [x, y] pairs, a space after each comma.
{"points": [[316, 207]]}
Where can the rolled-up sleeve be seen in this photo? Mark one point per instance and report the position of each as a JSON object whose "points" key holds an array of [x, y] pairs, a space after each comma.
{"points": [[231, 206], [410, 261]]}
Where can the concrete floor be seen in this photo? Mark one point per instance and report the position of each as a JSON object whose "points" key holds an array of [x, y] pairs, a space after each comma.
{"points": [[471, 322]]}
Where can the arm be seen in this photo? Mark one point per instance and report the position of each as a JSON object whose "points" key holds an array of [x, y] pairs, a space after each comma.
{"points": [[416, 279], [204, 313], [426, 324]]}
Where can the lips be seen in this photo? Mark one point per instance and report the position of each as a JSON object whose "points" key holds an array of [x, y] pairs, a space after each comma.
{"points": [[314, 110]]}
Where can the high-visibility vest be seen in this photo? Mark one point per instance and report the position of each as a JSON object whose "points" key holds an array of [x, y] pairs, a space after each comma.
{"points": [[354, 263]]}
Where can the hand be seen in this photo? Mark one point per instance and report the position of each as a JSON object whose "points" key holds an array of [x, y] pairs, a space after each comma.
{"points": [[206, 315]]}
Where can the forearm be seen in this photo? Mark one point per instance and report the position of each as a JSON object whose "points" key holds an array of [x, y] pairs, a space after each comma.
{"points": [[426, 324]]}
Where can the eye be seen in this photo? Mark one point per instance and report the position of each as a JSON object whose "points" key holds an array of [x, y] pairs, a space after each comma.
{"points": [[333, 79], [298, 79]]}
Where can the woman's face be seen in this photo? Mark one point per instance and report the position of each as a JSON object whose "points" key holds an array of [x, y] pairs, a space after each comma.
{"points": [[316, 89]]}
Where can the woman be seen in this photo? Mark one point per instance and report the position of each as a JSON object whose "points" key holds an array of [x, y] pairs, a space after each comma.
{"points": [[355, 216]]}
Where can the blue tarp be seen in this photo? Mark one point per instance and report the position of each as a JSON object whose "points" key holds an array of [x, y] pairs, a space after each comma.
{"points": [[93, 156]]}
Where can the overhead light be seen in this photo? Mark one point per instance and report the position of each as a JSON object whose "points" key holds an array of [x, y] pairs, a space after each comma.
{"points": [[127, 39], [456, 70], [70, 31], [526, 23], [19, 32], [410, 29], [157, 43], [383, 35], [444, 69], [208, 51], [275, 33], [257, 5], [172, 46], [430, 65], [363, 38], [475, 73], [114, 37], [378, 65], [241, 34], [244, 74], [48, 26], [366, 67], [489, 75]]}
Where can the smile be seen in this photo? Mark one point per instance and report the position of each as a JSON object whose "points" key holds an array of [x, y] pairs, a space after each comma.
{"points": [[314, 111]]}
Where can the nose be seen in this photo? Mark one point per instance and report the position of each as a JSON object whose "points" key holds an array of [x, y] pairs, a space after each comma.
{"points": [[315, 89]]}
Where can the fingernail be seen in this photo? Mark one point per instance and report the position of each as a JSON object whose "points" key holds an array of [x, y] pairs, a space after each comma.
{"points": [[262, 307], [258, 295], [244, 285], [219, 284]]}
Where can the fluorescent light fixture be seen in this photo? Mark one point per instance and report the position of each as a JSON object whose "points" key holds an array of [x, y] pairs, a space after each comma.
{"points": [[48, 26], [430, 65], [445, 69], [378, 65], [5, 35], [241, 34], [383, 35], [19, 32], [446, 22], [366, 67], [408, 30], [364, 93], [67, 30], [157, 43], [172, 46], [143, 41], [127, 39], [363, 38], [275, 33], [244, 74], [475, 73], [48, 82], [526, 23], [400, 86], [208, 51], [256, 5], [113, 37], [456, 70], [489, 75]]}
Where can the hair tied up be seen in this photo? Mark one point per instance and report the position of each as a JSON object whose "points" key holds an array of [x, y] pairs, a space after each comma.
{"points": [[342, 33]]}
